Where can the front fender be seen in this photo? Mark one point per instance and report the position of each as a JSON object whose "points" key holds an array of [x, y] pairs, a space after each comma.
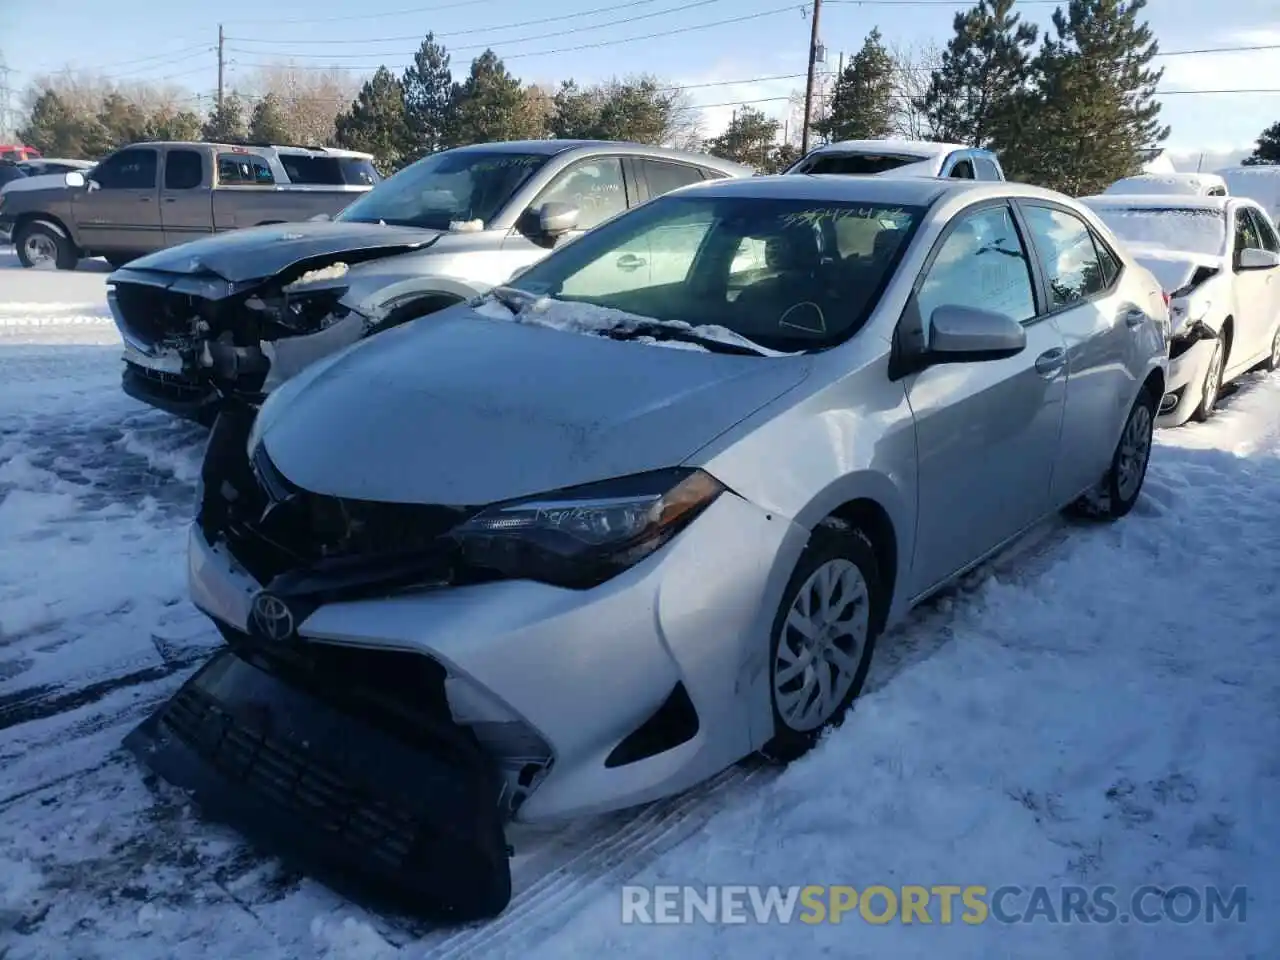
{"points": [[376, 302]]}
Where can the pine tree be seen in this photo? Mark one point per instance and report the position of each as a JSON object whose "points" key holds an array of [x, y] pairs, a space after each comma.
{"points": [[1268, 149], [1094, 108], [749, 139], [376, 121], [639, 110], [428, 89], [862, 106], [977, 91], [491, 105], [576, 112], [54, 128], [166, 125], [121, 122], [226, 122], [268, 123]]}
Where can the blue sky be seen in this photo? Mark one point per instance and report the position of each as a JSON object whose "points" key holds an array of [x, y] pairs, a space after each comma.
{"points": [[137, 39]]}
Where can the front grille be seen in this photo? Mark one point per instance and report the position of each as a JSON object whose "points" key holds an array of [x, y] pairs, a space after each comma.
{"points": [[172, 386], [294, 780], [149, 315]]}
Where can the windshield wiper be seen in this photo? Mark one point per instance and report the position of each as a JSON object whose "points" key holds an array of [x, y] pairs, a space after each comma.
{"points": [[661, 331], [511, 298]]}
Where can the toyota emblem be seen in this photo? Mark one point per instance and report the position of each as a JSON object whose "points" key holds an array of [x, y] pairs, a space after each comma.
{"points": [[273, 617]]}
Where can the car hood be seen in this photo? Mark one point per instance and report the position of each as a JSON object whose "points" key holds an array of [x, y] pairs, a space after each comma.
{"points": [[259, 252], [460, 409], [1174, 268]]}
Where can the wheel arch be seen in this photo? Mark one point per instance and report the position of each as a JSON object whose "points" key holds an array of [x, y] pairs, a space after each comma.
{"points": [[868, 517], [24, 220]]}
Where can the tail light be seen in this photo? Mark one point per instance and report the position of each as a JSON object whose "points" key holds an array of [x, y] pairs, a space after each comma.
{"points": [[1164, 295]]}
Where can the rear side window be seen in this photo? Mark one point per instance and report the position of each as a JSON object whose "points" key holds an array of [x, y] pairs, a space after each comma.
{"points": [[329, 171], [857, 163], [243, 169], [1109, 262], [1065, 247], [986, 169], [963, 170], [1265, 233], [183, 169], [665, 177]]}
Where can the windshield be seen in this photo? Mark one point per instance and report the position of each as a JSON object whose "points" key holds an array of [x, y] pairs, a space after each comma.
{"points": [[329, 171], [788, 275], [1173, 228], [447, 187], [857, 163]]}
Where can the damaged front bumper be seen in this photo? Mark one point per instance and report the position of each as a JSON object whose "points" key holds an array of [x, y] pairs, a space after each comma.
{"points": [[381, 808], [1190, 351], [191, 342]]}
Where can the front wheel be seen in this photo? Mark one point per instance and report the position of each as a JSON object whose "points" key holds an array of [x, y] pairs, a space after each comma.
{"points": [[823, 637], [1118, 492], [40, 245], [1272, 363], [1212, 385]]}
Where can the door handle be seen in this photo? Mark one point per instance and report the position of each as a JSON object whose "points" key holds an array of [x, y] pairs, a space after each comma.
{"points": [[170, 199], [144, 199], [629, 261], [1134, 317], [1050, 362]]}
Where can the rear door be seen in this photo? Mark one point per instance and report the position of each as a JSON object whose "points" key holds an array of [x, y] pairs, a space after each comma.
{"points": [[186, 209], [669, 250], [1270, 241], [1103, 331], [121, 212], [986, 432]]}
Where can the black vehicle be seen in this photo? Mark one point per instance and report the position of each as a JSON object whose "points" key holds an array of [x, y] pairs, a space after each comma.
{"points": [[10, 171]]}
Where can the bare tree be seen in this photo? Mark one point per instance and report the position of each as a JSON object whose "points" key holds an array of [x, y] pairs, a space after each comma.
{"points": [[915, 64], [309, 99]]}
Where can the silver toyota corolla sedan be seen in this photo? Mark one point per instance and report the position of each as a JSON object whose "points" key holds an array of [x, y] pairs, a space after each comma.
{"points": [[645, 510]]}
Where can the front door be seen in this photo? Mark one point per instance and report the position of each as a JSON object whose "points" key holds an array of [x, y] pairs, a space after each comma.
{"points": [[598, 187], [1256, 294], [186, 198], [987, 431], [1105, 339], [119, 211]]}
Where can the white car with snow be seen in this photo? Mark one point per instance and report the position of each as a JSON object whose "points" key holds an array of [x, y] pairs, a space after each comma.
{"points": [[901, 158], [587, 541], [1169, 184], [1218, 259]]}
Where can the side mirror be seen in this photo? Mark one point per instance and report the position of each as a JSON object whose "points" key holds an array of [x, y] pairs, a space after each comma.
{"points": [[1251, 258], [967, 335], [75, 179], [556, 219]]}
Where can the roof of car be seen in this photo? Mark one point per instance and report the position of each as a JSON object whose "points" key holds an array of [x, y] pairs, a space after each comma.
{"points": [[923, 148], [1159, 201], [911, 191], [556, 147]]}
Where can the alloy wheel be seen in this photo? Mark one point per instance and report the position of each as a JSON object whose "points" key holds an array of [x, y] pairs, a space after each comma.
{"points": [[1274, 363], [1135, 450], [821, 647], [1213, 380]]}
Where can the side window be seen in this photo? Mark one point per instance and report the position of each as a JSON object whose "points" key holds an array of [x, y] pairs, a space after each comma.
{"points": [[243, 169], [664, 177], [661, 256], [1065, 246], [1107, 260], [1264, 231], [1217, 191], [982, 264], [986, 169], [133, 169], [1246, 233], [183, 169], [595, 187], [963, 170]]}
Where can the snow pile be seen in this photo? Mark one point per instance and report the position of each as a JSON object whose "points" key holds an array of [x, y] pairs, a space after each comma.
{"points": [[577, 317], [335, 271], [350, 939]]}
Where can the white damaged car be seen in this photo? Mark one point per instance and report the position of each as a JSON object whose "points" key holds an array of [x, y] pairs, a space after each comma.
{"points": [[1217, 260]]}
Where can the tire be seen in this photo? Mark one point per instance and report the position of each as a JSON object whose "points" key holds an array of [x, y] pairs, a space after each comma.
{"points": [[1119, 490], [39, 244], [1272, 363], [1211, 388], [845, 554]]}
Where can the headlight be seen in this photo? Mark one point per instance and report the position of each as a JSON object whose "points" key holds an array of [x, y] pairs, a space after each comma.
{"points": [[583, 536], [1183, 313]]}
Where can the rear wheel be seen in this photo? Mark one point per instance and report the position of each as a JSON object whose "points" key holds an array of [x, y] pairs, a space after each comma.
{"points": [[39, 245], [1118, 492], [823, 638]]}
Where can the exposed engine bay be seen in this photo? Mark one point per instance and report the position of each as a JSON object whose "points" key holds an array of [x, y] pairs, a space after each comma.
{"points": [[194, 339]]}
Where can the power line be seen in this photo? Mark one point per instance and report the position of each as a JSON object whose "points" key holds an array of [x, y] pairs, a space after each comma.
{"points": [[539, 36], [434, 8]]}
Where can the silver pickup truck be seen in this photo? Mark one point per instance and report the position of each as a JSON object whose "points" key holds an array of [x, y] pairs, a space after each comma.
{"points": [[149, 196]]}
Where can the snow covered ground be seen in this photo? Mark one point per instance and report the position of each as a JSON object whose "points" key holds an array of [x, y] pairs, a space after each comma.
{"points": [[1098, 706]]}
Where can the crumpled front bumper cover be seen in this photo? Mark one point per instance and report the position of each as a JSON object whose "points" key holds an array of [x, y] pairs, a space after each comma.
{"points": [[407, 821]]}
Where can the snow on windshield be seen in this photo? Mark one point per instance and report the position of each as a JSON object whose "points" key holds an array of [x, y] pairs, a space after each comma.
{"points": [[576, 317], [1196, 231]]}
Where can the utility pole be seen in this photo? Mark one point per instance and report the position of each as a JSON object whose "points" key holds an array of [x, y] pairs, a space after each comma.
{"points": [[808, 85], [8, 124], [221, 65]]}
